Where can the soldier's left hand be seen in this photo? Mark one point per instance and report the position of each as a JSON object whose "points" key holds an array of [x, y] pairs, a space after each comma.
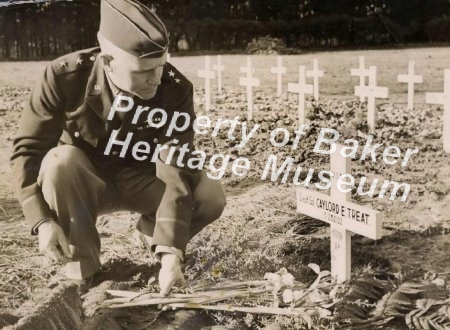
{"points": [[52, 242]]}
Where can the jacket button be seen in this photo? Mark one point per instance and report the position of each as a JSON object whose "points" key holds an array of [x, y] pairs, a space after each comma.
{"points": [[77, 134], [115, 153], [155, 140]]}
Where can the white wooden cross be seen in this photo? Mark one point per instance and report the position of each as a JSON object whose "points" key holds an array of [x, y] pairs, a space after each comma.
{"points": [[362, 73], [279, 70], [219, 68], [249, 82], [410, 79], [372, 92], [207, 74], [301, 89], [444, 99], [344, 216], [315, 73]]}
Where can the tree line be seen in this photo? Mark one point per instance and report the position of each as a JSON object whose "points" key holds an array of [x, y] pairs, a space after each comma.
{"points": [[45, 30]]}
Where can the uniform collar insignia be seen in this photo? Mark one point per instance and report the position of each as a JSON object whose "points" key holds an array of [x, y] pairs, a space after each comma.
{"points": [[98, 94]]}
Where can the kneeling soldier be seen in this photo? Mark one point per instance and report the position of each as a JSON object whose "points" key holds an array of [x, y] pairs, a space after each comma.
{"points": [[65, 180]]}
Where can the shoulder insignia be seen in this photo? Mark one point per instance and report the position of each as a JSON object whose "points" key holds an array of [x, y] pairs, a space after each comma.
{"points": [[174, 77], [75, 61]]}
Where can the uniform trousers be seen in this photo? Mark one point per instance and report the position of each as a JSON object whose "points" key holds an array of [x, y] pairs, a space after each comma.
{"points": [[77, 191]]}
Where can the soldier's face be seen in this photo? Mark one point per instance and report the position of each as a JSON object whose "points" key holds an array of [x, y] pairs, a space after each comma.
{"points": [[139, 76]]}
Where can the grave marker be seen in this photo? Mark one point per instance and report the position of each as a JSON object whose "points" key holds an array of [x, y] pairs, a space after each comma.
{"points": [[249, 82], [219, 68], [344, 217], [207, 74], [279, 70], [443, 99], [315, 73], [362, 73], [410, 79], [372, 92], [301, 89]]}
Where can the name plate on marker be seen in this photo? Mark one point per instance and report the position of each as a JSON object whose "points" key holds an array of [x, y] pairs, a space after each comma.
{"points": [[350, 216]]}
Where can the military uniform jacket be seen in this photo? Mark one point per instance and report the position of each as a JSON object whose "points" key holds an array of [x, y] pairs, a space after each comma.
{"points": [[71, 105]]}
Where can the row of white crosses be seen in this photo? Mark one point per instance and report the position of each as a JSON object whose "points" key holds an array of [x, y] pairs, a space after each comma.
{"points": [[301, 88], [371, 91], [250, 82], [315, 73], [311, 202]]}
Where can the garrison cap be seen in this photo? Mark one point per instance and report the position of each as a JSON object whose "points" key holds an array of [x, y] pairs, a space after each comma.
{"points": [[133, 27]]}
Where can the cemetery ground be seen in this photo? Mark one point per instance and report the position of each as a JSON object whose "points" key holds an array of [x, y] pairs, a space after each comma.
{"points": [[260, 230]]}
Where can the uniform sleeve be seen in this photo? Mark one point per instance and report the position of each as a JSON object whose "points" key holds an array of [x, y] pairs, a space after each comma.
{"points": [[39, 131], [174, 215]]}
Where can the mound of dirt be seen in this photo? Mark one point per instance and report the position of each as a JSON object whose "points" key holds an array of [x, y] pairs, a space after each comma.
{"points": [[61, 310]]}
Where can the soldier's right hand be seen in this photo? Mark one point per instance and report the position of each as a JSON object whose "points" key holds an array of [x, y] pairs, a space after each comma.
{"points": [[53, 242], [170, 273]]}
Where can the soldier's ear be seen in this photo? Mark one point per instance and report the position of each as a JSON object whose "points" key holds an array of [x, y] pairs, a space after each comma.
{"points": [[106, 59]]}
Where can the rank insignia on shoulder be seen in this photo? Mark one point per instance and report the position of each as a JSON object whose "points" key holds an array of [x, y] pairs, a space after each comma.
{"points": [[172, 75], [73, 62]]}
